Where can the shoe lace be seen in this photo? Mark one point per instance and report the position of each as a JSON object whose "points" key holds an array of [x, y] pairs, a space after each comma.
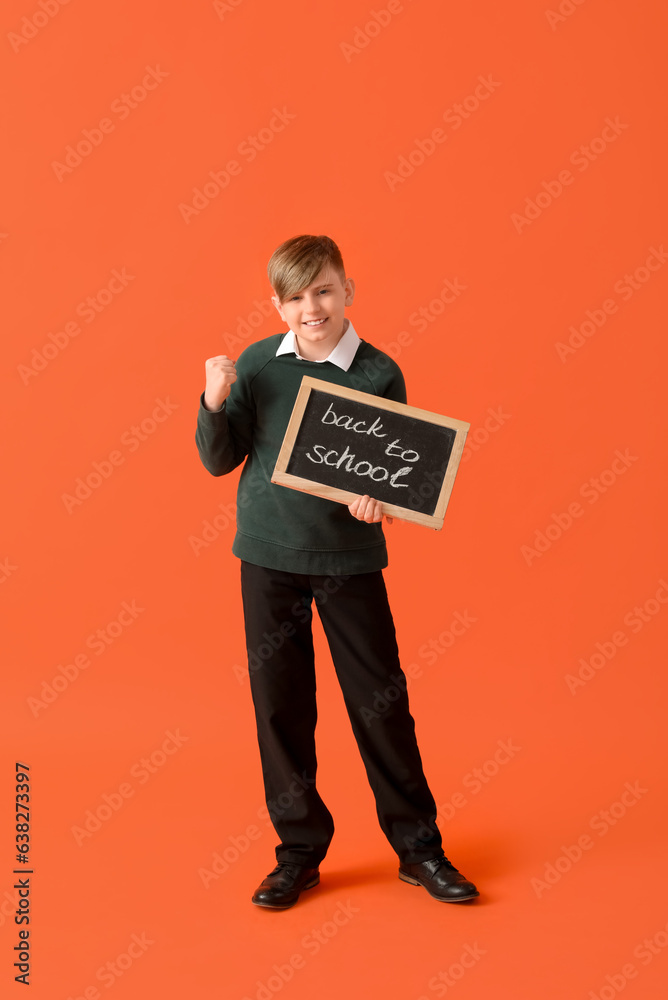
{"points": [[287, 865], [445, 861]]}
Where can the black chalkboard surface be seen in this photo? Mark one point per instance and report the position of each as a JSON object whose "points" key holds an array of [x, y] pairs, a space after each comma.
{"points": [[341, 443]]}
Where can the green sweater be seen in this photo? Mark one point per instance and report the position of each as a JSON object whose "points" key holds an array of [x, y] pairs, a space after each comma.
{"points": [[278, 527]]}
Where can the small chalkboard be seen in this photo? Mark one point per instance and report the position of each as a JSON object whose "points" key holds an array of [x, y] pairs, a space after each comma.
{"points": [[341, 444]]}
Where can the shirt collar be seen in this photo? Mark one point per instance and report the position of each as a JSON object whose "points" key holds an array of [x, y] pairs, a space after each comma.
{"points": [[342, 355]]}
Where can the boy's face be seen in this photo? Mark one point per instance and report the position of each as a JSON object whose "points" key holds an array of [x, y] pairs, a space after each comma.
{"points": [[316, 314]]}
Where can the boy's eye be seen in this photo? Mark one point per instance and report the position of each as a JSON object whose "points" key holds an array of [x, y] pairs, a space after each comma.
{"points": [[323, 291]]}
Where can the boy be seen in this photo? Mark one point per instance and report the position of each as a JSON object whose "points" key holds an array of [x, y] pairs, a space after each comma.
{"points": [[295, 548]]}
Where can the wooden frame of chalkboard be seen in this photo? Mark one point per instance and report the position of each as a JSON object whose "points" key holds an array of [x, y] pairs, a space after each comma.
{"points": [[368, 419]]}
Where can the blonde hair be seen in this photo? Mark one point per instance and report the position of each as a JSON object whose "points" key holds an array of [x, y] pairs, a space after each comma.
{"points": [[296, 263]]}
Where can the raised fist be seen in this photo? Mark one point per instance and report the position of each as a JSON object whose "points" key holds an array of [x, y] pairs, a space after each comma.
{"points": [[220, 374]]}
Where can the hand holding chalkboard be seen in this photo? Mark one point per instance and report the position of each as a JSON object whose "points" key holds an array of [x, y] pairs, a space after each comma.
{"points": [[343, 444], [367, 509]]}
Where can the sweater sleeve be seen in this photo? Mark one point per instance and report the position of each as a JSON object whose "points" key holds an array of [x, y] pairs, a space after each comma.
{"points": [[224, 437], [382, 375], [396, 386]]}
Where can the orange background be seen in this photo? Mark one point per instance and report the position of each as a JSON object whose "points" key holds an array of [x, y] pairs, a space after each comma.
{"points": [[66, 573]]}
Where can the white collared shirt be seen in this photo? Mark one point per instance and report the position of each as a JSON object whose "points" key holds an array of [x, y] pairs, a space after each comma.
{"points": [[342, 355]]}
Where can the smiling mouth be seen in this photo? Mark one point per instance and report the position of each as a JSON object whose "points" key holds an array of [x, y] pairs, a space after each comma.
{"points": [[315, 323]]}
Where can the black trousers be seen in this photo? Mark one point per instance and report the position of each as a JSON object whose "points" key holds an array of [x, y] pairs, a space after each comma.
{"points": [[358, 625]]}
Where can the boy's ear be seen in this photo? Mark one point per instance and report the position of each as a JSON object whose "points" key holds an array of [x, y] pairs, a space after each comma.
{"points": [[277, 302], [350, 291]]}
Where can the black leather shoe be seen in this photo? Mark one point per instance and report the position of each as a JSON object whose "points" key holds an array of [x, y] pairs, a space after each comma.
{"points": [[283, 885], [440, 878]]}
